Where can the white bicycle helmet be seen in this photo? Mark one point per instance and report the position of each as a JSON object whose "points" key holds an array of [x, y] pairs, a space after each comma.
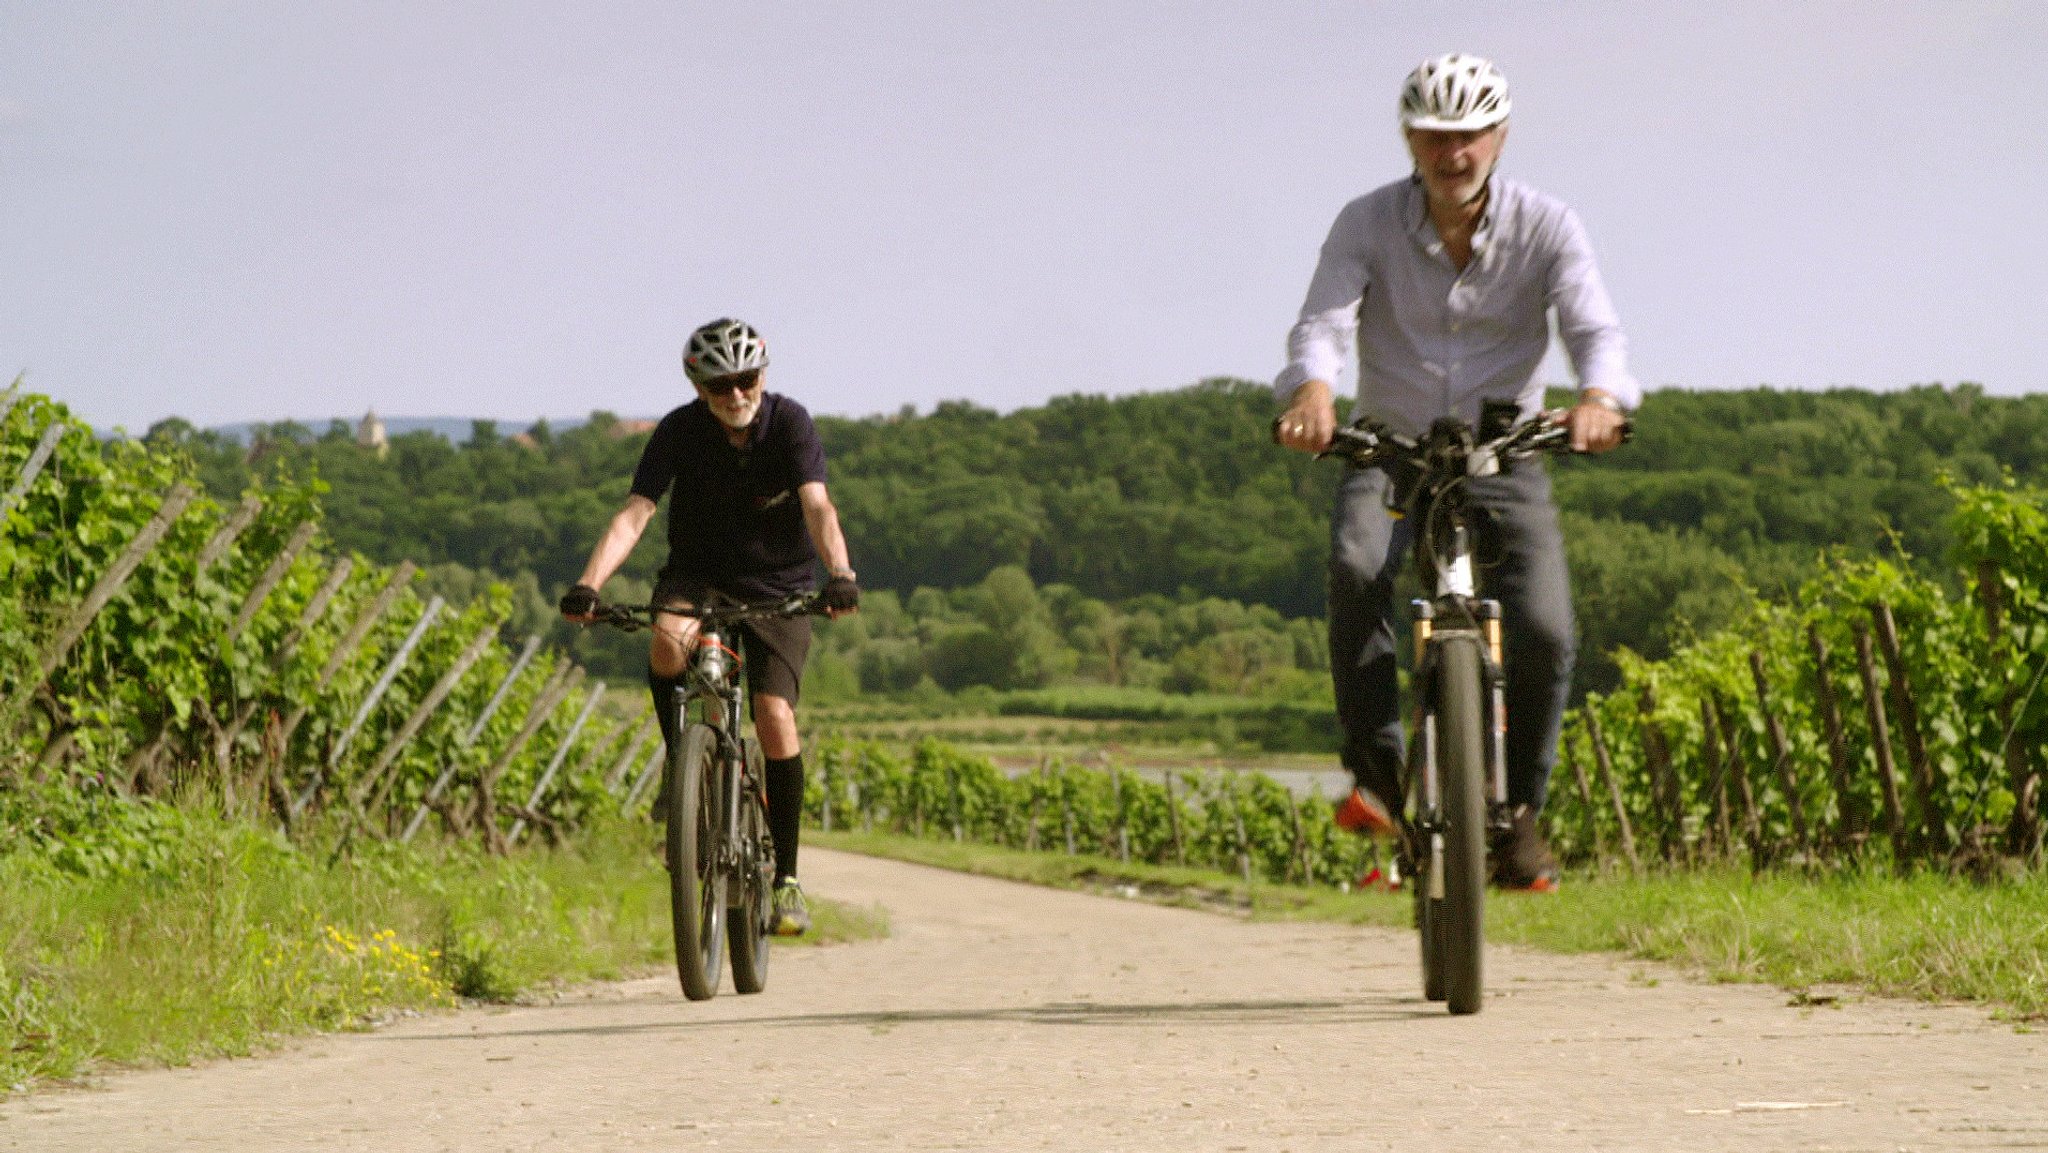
{"points": [[1454, 93], [722, 348]]}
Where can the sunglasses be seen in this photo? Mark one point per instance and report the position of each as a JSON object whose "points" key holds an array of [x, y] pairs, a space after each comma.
{"points": [[727, 385]]}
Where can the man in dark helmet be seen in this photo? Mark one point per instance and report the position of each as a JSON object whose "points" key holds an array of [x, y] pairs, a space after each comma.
{"points": [[1445, 282], [748, 517]]}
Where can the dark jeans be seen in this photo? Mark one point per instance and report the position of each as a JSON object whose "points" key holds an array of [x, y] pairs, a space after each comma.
{"points": [[1519, 561]]}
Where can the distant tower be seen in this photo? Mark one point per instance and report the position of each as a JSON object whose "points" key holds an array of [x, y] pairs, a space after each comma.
{"points": [[370, 434]]}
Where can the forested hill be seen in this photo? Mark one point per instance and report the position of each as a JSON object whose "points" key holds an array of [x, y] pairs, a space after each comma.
{"points": [[1180, 492]]}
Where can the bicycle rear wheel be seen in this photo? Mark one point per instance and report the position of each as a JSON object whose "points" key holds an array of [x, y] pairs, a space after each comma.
{"points": [[750, 919], [695, 888], [1461, 770]]}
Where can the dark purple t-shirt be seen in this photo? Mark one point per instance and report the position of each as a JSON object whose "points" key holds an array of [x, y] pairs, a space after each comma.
{"points": [[734, 520]]}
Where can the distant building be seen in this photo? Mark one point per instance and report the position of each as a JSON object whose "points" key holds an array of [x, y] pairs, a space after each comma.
{"points": [[626, 428], [370, 434]]}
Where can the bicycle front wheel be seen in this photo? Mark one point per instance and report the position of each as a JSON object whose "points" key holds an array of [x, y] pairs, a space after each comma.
{"points": [[1461, 771], [751, 918], [695, 888]]}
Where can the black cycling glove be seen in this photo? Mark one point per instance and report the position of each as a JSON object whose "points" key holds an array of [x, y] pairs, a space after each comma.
{"points": [[579, 601], [840, 595]]}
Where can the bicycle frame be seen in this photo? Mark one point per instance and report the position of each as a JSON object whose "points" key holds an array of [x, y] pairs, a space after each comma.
{"points": [[718, 844], [715, 674], [1457, 763]]}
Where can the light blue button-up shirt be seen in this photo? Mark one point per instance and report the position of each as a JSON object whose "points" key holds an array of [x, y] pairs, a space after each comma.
{"points": [[1433, 341]]}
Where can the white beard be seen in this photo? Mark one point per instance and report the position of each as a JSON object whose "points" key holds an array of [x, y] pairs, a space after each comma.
{"points": [[742, 419]]}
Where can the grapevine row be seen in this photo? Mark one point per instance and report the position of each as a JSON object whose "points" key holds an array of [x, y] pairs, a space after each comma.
{"points": [[154, 642], [1881, 711]]}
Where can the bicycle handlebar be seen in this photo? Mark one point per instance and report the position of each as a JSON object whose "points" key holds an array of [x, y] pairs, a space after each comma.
{"points": [[632, 618], [1366, 443]]}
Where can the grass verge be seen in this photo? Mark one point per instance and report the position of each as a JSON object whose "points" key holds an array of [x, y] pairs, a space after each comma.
{"points": [[226, 938], [1921, 936]]}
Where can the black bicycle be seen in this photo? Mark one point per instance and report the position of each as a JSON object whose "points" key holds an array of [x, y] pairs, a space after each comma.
{"points": [[721, 858], [1457, 761]]}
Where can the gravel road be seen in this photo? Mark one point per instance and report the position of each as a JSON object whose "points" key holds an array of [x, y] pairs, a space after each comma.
{"points": [[1001, 1016]]}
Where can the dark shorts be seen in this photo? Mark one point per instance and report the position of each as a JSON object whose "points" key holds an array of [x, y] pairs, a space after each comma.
{"points": [[774, 649]]}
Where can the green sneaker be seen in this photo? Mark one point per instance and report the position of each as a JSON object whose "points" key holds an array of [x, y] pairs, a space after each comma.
{"points": [[792, 912]]}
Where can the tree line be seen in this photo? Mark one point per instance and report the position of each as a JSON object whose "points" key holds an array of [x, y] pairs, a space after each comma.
{"points": [[1179, 496]]}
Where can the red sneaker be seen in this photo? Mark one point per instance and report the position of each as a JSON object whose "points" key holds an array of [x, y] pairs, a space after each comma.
{"points": [[1362, 813]]}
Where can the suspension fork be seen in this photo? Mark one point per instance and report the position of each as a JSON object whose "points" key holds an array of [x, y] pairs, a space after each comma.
{"points": [[1428, 796], [1497, 707]]}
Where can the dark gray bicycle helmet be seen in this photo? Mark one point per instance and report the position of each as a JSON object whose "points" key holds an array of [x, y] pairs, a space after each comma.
{"points": [[722, 348]]}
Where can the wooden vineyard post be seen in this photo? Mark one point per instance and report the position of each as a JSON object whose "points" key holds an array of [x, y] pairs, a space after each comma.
{"points": [[1298, 858], [2023, 831], [268, 582], [369, 704], [1180, 856], [139, 547], [1123, 828], [1586, 805], [547, 776], [37, 457], [1850, 824], [1780, 751], [468, 738], [560, 683], [1663, 778], [231, 529], [619, 776], [314, 609], [825, 787], [376, 778], [1933, 832], [649, 772], [1881, 745], [1717, 777], [346, 647], [953, 801], [1605, 764], [1738, 771], [1244, 843], [1067, 817]]}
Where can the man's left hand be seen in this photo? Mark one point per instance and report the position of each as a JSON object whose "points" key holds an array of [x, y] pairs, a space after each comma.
{"points": [[1594, 425], [840, 596]]}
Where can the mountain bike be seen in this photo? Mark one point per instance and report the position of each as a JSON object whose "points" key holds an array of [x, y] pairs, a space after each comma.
{"points": [[1456, 783], [721, 859]]}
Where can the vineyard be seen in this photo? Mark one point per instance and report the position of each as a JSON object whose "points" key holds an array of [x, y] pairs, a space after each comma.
{"points": [[155, 644], [1875, 718], [1877, 713]]}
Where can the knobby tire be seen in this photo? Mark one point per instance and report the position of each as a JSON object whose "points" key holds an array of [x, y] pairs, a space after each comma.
{"points": [[696, 891], [1461, 769], [750, 920]]}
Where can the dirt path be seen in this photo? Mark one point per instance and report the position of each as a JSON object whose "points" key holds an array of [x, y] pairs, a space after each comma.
{"points": [[1003, 1016]]}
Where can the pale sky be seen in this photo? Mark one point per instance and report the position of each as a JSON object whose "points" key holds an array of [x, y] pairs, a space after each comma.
{"points": [[253, 211]]}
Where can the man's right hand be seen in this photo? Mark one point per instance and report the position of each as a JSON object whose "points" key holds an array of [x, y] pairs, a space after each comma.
{"points": [[579, 604], [1310, 420]]}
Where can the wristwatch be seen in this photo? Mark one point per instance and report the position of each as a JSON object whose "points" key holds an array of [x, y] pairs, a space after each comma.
{"points": [[1604, 400]]}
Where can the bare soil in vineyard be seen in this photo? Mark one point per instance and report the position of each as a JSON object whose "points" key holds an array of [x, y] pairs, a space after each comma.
{"points": [[1007, 1016]]}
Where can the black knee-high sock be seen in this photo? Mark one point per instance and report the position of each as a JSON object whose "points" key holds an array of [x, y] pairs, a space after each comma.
{"points": [[785, 810], [663, 690]]}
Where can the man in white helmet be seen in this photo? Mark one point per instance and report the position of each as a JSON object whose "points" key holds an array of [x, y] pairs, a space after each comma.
{"points": [[748, 516], [1444, 281]]}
